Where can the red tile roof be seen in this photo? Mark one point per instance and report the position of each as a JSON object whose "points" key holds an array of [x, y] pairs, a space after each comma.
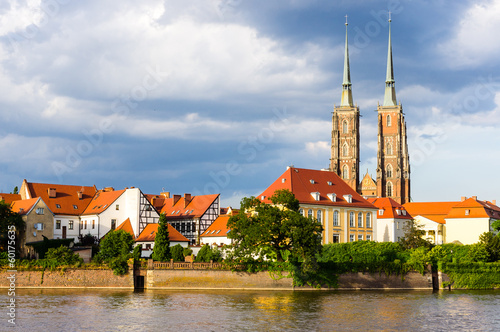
{"points": [[476, 209], [195, 208], [218, 227], [149, 234], [9, 198], [302, 182], [390, 208], [22, 207], [101, 201], [435, 211], [66, 197], [127, 227]]}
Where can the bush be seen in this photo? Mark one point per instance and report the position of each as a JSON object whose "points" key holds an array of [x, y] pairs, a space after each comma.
{"points": [[63, 256], [119, 265], [137, 252], [177, 252], [206, 254]]}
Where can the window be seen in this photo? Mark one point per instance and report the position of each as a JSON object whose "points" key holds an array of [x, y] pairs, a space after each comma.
{"points": [[368, 237], [335, 218], [113, 223], [345, 150], [388, 149], [351, 219], [318, 215], [368, 220], [389, 171], [389, 189], [70, 224], [148, 246], [345, 172], [336, 238], [360, 237], [85, 224], [381, 212], [389, 122], [309, 213], [75, 207], [360, 219], [301, 211], [39, 211], [93, 224], [58, 224], [344, 127], [117, 207], [467, 212], [39, 226], [351, 238], [397, 224], [58, 206]]}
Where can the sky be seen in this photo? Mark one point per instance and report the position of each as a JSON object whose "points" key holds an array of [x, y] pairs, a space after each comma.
{"points": [[220, 96]]}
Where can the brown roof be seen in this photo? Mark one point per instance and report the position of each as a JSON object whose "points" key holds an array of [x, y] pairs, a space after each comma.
{"points": [[302, 182], [66, 200], [101, 201], [9, 198], [218, 227], [390, 207], [127, 227], [149, 234], [22, 207]]}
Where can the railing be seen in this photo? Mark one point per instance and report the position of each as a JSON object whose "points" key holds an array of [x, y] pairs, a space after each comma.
{"points": [[152, 265]]}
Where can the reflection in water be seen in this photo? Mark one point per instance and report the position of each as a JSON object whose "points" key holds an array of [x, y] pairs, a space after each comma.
{"points": [[123, 310]]}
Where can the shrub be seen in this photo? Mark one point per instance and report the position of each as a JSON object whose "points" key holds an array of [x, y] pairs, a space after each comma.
{"points": [[63, 256], [177, 252]]}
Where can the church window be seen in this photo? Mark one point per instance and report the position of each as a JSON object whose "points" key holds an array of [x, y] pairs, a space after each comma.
{"points": [[360, 219], [318, 215], [345, 150], [335, 218], [389, 171], [388, 121], [351, 219], [345, 172], [344, 126], [389, 189], [389, 149]]}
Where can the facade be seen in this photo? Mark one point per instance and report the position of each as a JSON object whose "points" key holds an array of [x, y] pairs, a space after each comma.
{"points": [[66, 202], [216, 234], [368, 186], [344, 214], [147, 239], [190, 215], [393, 161], [392, 218], [39, 221], [344, 159]]}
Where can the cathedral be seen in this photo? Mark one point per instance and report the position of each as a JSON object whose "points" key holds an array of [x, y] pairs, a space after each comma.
{"points": [[393, 160]]}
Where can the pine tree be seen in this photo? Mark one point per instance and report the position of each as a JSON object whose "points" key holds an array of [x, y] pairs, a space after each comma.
{"points": [[161, 249]]}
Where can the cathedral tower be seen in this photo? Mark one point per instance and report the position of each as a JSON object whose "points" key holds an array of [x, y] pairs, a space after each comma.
{"points": [[393, 160], [345, 131]]}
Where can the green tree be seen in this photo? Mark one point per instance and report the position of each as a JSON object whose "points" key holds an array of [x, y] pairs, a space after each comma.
{"points": [[496, 225], [161, 249], [63, 255], [7, 220], [207, 254], [115, 244], [269, 230], [177, 253], [492, 245], [414, 237], [137, 252]]}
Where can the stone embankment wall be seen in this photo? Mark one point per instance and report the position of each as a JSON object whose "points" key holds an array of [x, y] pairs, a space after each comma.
{"points": [[412, 280], [70, 278]]}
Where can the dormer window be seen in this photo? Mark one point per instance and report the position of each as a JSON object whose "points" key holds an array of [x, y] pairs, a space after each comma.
{"points": [[330, 183], [467, 212], [262, 197], [315, 195], [381, 212], [312, 181], [75, 207], [348, 198], [283, 180], [332, 197], [404, 212], [58, 206], [398, 212]]}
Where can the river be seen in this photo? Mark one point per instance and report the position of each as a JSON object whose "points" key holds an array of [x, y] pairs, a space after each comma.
{"points": [[165, 310]]}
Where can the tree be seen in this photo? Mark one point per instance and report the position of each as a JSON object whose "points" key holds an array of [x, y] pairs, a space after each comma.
{"points": [[270, 230], [16, 190], [207, 254], [413, 237], [177, 253], [115, 244], [64, 256], [7, 220], [161, 249], [491, 244]]}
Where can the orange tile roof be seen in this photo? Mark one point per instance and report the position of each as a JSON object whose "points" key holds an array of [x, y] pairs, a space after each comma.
{"points": [[9, 198], [302, 182], [196, 208], [476, 208], [101, 201], [66, 197], [149, 234], [127, 227], [22, 207], [389, 206], [435, 211], [218, 227]]}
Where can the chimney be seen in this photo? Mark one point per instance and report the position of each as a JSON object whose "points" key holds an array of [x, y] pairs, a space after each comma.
{"points": [[187, 200], [108, 189], [176, 199], [463, 198], [52, 192], [474, 198], [80, 195], [153, 201], [165, 194], [494, 202]]}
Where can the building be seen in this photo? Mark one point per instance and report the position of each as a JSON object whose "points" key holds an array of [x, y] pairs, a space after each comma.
{"points": [[392, 218], [9, 198], [147, 239], [39, 221], [344, 214], [368, 186], [344, 159], [447, 222], [66, 202], [216, 234], [393, 160]]}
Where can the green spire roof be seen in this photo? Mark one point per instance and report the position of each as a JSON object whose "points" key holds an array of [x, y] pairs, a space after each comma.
{"points": [[390, 90]]}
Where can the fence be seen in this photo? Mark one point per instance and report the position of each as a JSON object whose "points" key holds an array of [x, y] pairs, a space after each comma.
{"points": [[152, 265]]}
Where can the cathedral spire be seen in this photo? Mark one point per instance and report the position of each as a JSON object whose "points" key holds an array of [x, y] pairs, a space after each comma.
{"points": [[390, 90], [346, 99]]}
